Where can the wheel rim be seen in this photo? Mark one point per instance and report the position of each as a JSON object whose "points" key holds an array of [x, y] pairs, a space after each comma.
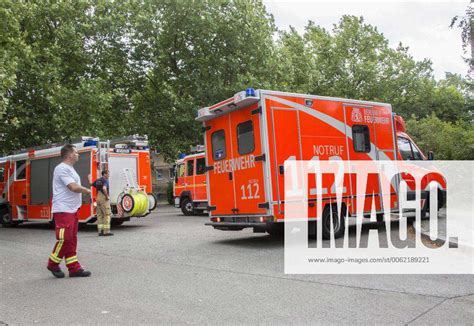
{"points": [[189, 206], [6, 218], [335, 222]]}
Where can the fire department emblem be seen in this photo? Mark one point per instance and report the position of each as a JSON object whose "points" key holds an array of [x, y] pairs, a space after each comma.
{"points": [[356, 115]]}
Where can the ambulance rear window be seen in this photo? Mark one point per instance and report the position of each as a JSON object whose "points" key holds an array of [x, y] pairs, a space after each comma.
{"points": [[218, 145], [245, 137], [361, 138]]}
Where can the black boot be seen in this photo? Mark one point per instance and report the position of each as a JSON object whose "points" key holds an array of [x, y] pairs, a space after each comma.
{"points": [[80, 273], [58, 273]]}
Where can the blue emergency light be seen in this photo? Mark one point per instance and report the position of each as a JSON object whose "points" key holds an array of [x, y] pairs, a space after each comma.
{"points": [[250, 92], [90, 142], [181, 155]]}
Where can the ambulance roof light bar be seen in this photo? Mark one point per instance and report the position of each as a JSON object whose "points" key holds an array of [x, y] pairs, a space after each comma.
{"points": [[239, 100]]}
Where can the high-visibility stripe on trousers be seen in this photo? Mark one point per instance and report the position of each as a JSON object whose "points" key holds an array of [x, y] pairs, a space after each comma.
{"points": [[66, 244]]}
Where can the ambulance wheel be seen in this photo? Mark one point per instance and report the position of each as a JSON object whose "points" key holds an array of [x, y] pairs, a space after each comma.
{"points": [[338, 220], [187, 207], [276, 230], [424, 211]]}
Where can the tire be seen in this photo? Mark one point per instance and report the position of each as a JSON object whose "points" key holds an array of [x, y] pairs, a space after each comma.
{"points": [[424, 211], [380, 217], [339, 223], [441, 200], [6, 218], [276, 230], [152, 202], [187, 207], [52, 223]]}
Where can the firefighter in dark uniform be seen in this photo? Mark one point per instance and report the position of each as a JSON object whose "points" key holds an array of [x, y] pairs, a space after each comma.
{"points": [[103, 204]]}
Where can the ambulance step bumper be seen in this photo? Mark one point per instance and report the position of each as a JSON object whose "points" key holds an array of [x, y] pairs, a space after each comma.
{"points": [[239, 222], [229, 224]]}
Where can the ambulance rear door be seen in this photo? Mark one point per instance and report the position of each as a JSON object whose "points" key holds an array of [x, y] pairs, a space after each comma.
{"points": [[236, 163], [220, 179], [248, 161]]}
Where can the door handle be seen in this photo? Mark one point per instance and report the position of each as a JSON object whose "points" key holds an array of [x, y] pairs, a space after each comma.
{"points": [[23, 196], [230, 176]]}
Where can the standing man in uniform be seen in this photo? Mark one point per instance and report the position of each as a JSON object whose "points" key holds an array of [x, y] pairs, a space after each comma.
{"points": [[67, 199], [103, 204]]}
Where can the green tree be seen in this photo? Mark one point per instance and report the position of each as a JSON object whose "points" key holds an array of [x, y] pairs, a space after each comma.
{"points": [[449, 141], [466, 24], [200, 53]]}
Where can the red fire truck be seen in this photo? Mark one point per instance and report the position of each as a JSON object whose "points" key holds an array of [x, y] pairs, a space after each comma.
{"points": [[249, 137], [190, 191], [26, 180]]}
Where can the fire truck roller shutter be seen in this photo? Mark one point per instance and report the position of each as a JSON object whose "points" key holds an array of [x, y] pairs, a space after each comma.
{"points": [[40, 192], [83, 168]]}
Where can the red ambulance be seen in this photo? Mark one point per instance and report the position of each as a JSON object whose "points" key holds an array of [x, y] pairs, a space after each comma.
{"points": [[249, 137]]}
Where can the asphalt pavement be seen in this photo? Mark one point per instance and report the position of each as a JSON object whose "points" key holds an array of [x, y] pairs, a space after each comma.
{"points": [[170, 269]]}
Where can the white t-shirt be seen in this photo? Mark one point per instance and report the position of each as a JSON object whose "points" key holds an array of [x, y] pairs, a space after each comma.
{"points": [[65, 200]]}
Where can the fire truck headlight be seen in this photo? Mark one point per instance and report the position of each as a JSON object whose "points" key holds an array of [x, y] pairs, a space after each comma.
{"points": [[95, 204]]}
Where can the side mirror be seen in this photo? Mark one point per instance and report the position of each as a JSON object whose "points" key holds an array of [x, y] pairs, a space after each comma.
{"points": [[430, 156]]}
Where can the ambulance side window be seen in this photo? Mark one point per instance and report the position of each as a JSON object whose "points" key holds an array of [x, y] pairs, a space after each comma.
{"points": [[361, 138], [2, 172], [200, 166], [404, 148], [218, 145], [245, 137], [190, 168], [20, 171]]}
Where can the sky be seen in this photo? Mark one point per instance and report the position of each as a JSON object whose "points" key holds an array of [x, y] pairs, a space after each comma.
{"points": [[423, 26]]}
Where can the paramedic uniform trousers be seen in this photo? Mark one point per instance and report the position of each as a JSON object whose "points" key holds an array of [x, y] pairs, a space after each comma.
{"points": [[103, 213], [66, 244]]}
